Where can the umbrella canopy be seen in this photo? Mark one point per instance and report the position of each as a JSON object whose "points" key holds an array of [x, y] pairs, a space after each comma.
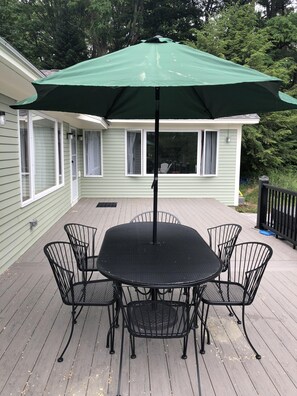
{"points": [[194, 85], [155, 79]]}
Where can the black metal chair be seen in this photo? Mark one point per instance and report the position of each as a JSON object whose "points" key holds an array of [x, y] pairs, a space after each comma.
{"points": [[156, 313], [76, 291], [80, 234], [245, 271], [222, 239], [163, 217]]}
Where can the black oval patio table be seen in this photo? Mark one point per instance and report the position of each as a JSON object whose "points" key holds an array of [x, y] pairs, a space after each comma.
{"points": [[181, 257]]}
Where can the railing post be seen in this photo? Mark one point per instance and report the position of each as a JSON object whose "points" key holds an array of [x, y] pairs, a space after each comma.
{"points": [[262, 201]]}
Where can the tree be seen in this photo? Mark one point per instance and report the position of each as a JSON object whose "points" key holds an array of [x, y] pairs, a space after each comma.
{"points": [[18, 26], [272, 145], [59, 23], [239, 34], [171, 18], [48, 32], [114, 24], [273, 8]]}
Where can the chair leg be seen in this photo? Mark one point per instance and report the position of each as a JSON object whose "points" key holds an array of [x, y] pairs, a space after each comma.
{"points": [[247, 337], [121, 360], [117, 314], [90, 276], [132, 343], [204, 329], [76, 315], [110, 333], [200, 316], [233, 313], [197, 363], [73, 321], [185, 346]]}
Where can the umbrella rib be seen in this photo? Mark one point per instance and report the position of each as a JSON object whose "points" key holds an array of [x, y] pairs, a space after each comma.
{"points": [[203, 102]]}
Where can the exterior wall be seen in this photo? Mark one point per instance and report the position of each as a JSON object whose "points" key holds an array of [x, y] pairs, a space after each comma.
{"points": [[16, 236], [15, 233], [114, 183]]}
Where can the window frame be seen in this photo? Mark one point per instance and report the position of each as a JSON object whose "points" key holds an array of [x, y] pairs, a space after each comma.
{"points": [[58, 152], [200, 156], [84, 152], [140, 131], [202, 159]]}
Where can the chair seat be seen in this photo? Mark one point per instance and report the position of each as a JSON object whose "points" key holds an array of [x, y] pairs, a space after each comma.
{"points": [[158, 319], [224, 293], [92, 293]]}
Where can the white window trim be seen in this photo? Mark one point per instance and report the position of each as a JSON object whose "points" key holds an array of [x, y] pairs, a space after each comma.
{"points": [[35, 197], [217, 154], [200, 156], [101, 152], [62, 154], [142, 153]]}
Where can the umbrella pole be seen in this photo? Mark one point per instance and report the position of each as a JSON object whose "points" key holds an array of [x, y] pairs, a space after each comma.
{"points": [[156, 164]]}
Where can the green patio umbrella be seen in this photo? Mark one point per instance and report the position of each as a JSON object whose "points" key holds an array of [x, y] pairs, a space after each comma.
{"points": [[158, 79]]}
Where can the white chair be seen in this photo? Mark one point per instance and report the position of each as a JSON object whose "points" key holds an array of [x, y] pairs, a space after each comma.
{"points": [[165, 167]]}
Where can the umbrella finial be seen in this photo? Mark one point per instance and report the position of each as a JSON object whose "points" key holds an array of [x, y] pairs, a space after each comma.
{"points": [[158, 39]]}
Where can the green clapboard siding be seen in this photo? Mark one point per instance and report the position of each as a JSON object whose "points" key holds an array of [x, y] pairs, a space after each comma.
{"points": [[114, 183], [15, 233]]}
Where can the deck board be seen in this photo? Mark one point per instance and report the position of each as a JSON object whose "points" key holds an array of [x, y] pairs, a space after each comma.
{"points": [[35, 324]]}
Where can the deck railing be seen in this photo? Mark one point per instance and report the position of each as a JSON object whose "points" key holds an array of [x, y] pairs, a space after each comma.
{"points": [[277, 211]]}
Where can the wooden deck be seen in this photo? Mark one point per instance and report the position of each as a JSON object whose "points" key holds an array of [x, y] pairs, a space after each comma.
{"points": [[34, 324]]}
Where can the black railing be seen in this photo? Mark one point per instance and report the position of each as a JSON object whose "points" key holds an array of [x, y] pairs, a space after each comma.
{"points": [[277, 211]]}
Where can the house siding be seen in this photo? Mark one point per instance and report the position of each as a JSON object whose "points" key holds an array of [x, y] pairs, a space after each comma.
{"points": [[16, 236], [15, 233], [114, 183]]}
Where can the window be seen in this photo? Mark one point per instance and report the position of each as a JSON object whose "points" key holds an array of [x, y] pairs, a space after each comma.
{"points": [[41, 152], [209, 152], [177, 152], [25, 155], [93, 166], [133, 152], [192, 153], [60, 153], [44, 149]]}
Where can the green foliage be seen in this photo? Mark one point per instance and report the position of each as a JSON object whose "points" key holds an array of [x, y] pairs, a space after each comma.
{"points": [[58, 33], [48, 32], [270, 145], [239, 34], [273, 8], [285, 178], [171, 18], [234, 35], [250, 192]]}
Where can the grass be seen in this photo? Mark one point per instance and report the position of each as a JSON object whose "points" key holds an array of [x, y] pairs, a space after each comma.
{"points": [[284, 179], [250, 193]]}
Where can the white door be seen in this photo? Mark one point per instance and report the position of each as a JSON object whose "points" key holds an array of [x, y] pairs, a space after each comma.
{"points": [[74, 176]]}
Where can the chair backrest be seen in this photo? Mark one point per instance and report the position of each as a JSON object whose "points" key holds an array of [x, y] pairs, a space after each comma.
{"points": [[222, 239], [163, 217], [164, 167], [63, 263], [81, 234], [247, 266], [158, 313]]}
